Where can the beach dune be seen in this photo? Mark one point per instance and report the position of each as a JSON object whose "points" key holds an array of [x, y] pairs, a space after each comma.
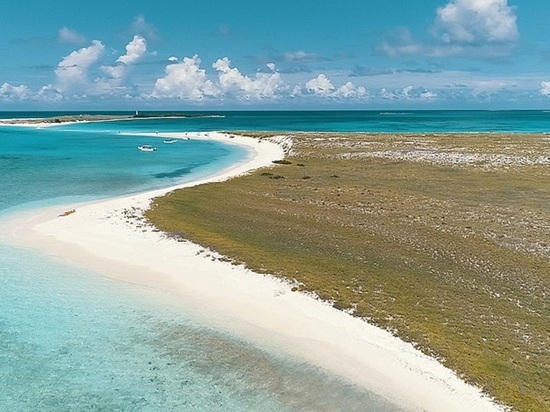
{"points": [[113, 239]]}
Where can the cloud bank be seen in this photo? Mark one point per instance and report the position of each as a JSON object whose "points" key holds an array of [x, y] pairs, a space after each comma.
{"points": [[84, 73], [485, 27]]}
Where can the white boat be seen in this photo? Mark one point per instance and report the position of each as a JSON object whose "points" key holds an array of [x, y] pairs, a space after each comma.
{"points": [[147, 148], [170, 140]]}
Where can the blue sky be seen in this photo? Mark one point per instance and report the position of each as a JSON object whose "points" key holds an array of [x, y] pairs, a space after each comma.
{"points": [[243, 54]]}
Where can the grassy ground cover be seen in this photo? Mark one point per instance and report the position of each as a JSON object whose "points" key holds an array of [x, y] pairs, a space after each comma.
{"points": [[442, 239]]}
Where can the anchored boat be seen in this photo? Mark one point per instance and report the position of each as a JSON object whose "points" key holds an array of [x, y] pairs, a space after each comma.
{"points": [[147, 148]]}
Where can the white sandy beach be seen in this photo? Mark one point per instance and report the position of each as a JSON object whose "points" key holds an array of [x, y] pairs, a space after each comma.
{"points": [[110, 238]]}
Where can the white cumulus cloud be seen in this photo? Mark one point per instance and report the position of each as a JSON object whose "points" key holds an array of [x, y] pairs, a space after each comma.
{"points": [[477, 21], [185, 80], [73, 69], [350, 90], [321, 85], [134, 50], [10, 92], [48, 93], [232, 81]]}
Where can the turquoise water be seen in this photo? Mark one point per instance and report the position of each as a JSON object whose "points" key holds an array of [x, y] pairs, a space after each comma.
{"points": [[92, 161], [536, 121], [74, 340]]}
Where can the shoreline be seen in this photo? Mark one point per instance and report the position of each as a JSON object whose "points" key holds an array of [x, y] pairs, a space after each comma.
{"points": [[259, 307]]}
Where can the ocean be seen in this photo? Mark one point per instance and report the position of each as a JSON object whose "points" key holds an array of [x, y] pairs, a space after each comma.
{"points": [[72, 340]]}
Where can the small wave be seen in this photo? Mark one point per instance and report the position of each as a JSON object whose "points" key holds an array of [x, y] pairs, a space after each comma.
{"points": [[394, 113], [197, 116]]}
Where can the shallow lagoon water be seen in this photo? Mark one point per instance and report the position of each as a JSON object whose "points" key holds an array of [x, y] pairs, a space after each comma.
{"points": [[72, 340]]}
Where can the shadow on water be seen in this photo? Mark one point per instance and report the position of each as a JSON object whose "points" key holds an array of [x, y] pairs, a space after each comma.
{"points": [[174, 174]]}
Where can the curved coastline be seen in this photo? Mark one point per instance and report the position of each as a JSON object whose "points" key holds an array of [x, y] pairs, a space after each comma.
{"points": [[261, 308]]}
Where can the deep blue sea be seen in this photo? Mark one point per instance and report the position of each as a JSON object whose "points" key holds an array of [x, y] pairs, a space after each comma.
{"points": [[74, 340]]}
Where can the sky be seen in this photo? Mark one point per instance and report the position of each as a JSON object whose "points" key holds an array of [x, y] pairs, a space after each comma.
{"points": [[282, 55]]}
